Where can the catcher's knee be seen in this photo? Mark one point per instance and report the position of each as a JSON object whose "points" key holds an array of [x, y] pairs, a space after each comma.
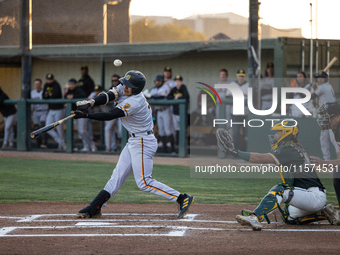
{"points": [[269, 203]]}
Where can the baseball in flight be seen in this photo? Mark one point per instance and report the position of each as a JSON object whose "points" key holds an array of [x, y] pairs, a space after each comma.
{"points": [[117, 62]]}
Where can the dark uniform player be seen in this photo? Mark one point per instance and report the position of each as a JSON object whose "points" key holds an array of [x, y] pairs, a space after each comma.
{"points": [[180, 91], [137, 155], [301, 190], [9, 112], [86, 83]]}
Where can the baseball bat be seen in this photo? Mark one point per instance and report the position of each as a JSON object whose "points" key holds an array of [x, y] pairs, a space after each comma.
{"points": [[330, 64], [50, 126]]}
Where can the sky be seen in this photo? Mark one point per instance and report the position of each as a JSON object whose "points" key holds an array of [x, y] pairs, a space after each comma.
{"points": [[276, 13]]}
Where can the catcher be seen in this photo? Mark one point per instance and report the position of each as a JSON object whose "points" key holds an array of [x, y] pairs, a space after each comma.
{"points": [[329, 119], [301, 191]]}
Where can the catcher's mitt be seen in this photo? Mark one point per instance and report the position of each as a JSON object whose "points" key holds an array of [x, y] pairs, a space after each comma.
{"points": [[224, 141]]}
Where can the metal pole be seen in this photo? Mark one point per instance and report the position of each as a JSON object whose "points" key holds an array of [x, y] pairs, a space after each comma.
{"points": [[311, 44], [253, 46], [303, 56], [258, 73], [316, 55]]}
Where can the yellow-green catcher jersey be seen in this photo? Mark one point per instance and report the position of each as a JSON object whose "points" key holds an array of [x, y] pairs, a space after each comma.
{"points": [[295, 163]]}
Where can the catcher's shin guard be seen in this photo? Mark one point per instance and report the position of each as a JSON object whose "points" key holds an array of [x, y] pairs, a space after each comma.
{"points": [[93, 210], [269, 202]]}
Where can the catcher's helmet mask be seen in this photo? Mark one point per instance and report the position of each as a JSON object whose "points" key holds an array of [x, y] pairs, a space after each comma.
{"points": [[289, 131], [135, 80]]}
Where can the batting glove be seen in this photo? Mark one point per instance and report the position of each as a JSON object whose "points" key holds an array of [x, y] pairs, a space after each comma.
{"points": [[84, 105], [79, 114]]}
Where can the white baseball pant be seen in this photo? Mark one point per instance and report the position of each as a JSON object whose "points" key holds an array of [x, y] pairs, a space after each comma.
{"points": [[137, 158], [304, 202], [58, 134], [82, 133], [327, 136], [9, 129], [164, 122]]}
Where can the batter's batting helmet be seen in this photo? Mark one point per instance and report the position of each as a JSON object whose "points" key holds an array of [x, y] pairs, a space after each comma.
{"points": [[289, 131], [321, 74], [135, 80]]}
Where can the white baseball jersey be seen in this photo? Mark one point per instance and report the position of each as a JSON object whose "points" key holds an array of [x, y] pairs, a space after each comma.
{"points": [[38, 95], [171, 83], [325, 93], [163, 90], [138, 113]]}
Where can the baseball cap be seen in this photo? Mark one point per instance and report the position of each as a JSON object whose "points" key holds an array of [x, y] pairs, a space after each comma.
{"points": [[98, 88], [270, 64], [49, 76], [167, 69], [241, 72], [178, 77], [72, 81], [84, 67]]}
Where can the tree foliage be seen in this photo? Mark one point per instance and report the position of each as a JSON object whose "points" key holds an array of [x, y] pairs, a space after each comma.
{"points": [[153, 32]]}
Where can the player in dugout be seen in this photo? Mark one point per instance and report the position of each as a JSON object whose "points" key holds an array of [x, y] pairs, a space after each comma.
{"points": [[137, 155], [301, 190]]}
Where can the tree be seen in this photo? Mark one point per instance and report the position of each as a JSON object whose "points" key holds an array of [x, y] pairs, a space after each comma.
{"points": [[152, 32]]}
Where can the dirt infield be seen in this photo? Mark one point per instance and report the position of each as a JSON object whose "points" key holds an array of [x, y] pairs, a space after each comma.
{"points": [[52, 228]]}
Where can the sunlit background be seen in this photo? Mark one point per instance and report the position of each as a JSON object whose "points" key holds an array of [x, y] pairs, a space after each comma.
{"points": [[289, 14]]}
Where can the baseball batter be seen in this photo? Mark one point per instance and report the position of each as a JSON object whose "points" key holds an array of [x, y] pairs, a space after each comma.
{"points": [[301, 190], [325, 93], [137, 155]]}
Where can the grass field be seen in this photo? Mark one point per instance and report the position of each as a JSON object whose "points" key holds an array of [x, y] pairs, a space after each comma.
{"points": [[29, 180]]}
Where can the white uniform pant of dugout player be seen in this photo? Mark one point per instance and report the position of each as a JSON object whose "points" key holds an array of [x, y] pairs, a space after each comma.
{"points": [[9, 129], [54, 116], [164, 122], [39, 116], [304, 202], [137, 158], [83, 134]]}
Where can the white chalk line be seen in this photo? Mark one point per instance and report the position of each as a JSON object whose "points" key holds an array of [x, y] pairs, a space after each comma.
{"points": [[107, 223]]}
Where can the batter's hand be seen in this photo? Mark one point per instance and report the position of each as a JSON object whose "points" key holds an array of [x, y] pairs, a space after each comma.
{"points": [[79, 114], [317, 160], [84, 105]]}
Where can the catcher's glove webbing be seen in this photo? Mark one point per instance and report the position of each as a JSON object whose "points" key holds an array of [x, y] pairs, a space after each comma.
{"points": [[225, 142]]}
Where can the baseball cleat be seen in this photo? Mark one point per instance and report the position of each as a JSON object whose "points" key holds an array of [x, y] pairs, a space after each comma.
{"points": [[251, 221], [88, 215], [84, 213], [184, 206], [332, 214]]}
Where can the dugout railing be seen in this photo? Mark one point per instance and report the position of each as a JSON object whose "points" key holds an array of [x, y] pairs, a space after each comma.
{"points": [[24, 122]]}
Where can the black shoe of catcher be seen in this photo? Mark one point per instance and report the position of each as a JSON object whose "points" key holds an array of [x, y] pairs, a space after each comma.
{"points": [[185, 201]]}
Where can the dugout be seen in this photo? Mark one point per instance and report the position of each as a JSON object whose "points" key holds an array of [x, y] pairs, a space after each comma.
{"points": [[195, 61]]}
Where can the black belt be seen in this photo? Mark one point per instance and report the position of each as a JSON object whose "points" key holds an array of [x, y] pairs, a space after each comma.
{"points": [[322, 190], [148, 133]]}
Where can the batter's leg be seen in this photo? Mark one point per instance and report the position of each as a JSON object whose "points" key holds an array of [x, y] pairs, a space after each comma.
{"points": [[142, 151], [121, 172]]}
